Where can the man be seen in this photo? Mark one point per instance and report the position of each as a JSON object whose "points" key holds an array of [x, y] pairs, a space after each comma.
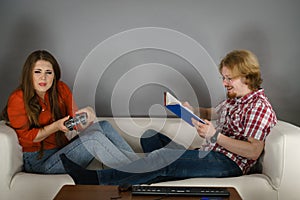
{"points": [[246, 117], [244, 121]]}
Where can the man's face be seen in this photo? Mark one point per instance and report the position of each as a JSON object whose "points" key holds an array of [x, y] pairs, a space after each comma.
{"points": [[234, 85]]}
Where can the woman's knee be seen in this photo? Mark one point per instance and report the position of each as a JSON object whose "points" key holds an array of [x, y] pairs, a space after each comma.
{"points": [[104, 123]]}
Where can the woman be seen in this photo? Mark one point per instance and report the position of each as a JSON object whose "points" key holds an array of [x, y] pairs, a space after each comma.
{"points": [[37, 110]]}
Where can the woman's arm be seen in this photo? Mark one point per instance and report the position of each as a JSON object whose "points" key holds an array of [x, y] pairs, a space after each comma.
{"points": [[19, 121], [46, 131]]}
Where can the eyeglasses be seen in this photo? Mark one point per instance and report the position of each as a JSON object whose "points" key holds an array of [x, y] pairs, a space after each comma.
{"points": [[228, 79]]}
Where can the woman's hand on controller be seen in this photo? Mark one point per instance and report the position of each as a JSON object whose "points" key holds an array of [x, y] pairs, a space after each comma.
{"points": [[60, 124], [91, 115]]}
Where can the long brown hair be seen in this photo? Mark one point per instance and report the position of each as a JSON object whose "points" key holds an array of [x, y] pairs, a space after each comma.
{"points": [[31, 100]]}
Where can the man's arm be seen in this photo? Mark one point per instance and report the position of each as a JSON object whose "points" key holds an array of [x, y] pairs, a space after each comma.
{"points": [[250, 149], [204, 113]]}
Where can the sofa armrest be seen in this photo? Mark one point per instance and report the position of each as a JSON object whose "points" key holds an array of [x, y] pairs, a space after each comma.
{"points": [[10, 154], [280, 162], [36, 186]]}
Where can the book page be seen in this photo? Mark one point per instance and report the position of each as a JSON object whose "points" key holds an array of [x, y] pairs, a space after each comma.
{"points": [[178, 109], [171, 100]]}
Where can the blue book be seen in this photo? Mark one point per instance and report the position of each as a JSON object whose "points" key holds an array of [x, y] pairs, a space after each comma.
{"points": [[176, 107]]}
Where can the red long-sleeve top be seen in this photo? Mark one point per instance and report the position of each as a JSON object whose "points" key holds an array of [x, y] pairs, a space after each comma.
{"points": [[19, 120]]}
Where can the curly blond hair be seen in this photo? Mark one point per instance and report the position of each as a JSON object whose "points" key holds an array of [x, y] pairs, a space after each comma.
{"points": [[245, 64]]}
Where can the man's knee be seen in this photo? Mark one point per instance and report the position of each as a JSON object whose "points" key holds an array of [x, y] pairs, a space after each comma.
{"points": [[149, 133], [151, 140]]}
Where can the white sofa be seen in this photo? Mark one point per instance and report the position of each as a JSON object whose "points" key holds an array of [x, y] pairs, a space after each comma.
{"points": [[281, 164]]}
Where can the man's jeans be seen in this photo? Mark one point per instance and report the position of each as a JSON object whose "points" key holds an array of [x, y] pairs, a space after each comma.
{"points": [[166, 161]]}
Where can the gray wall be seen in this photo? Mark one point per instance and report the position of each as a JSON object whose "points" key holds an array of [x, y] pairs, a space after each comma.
{"points": [[120, 55]]}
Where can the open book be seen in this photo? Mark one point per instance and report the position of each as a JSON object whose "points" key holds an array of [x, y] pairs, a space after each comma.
{"points": [[178, 109]]}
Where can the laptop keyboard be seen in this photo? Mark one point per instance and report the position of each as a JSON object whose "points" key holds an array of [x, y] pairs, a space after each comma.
{"points": [[180, 191]]}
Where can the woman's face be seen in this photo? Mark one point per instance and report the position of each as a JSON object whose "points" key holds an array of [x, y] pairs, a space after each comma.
{"points": [[43, 76]]}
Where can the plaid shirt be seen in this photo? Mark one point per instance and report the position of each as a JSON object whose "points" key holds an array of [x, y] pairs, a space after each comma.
{"points": [[240, 118]]}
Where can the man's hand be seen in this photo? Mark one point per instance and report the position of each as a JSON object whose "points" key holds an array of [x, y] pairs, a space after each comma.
{"points": [[204, 130], [188, 106]]}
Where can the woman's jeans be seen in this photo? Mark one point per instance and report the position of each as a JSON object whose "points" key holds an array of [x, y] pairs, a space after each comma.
{"points": [[98, 141], [169, 161]]}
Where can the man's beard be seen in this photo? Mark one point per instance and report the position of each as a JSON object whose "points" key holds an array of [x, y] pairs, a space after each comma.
{"points": [[231, 95]]}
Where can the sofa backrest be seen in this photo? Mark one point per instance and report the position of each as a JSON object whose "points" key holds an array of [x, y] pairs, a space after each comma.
{"points": [[10, 154], [132, 129]]}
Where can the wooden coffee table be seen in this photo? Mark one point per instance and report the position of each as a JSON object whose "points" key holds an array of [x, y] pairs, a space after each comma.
{"points": [[99, 192]]}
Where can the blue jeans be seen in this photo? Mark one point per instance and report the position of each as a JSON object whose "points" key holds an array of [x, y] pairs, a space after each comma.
{"points": [[169, 161], [98, 141]]}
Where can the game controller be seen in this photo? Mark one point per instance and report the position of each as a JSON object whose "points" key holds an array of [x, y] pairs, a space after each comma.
{"points": [[72, 122]]}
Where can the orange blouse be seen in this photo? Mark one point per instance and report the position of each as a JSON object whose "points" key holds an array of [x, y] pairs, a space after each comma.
{"points": [[19, 121]]}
